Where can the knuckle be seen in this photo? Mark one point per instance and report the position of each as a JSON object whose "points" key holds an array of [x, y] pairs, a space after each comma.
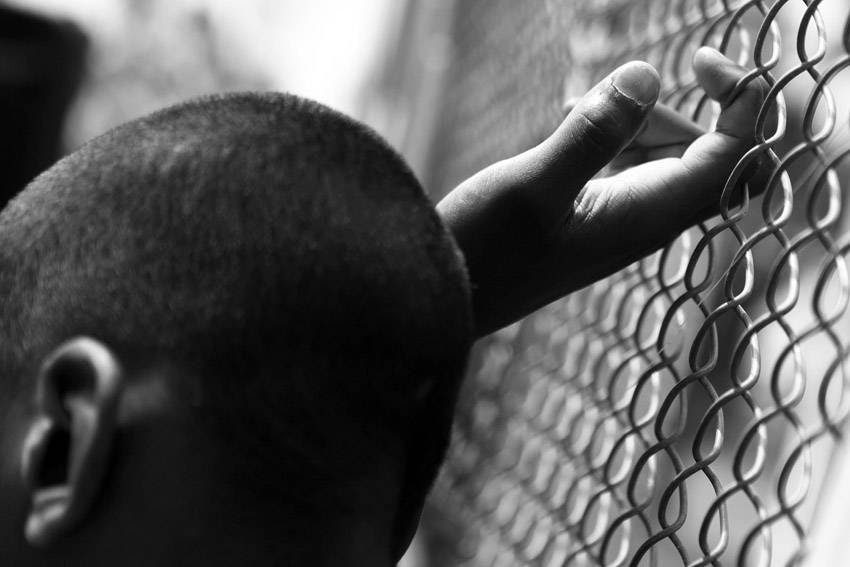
{"points": [[597, 132], [611, 209], [753, 93]]}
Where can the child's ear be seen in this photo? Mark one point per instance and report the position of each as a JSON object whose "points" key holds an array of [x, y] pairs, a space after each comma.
{"points": [[68, 444]]}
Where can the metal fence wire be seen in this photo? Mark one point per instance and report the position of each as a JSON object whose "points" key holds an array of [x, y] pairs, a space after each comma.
{"points": [[682, 411]]}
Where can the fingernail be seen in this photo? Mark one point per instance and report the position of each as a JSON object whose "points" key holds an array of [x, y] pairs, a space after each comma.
{"points": [[721, 60], [637, 81], [708, 51]]}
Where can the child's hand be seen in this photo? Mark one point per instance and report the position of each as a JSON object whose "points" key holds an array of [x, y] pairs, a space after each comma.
{"points": [[537, 226]]}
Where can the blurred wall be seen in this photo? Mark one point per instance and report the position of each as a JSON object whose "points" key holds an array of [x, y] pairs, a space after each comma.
{"points": [[146, 54]]}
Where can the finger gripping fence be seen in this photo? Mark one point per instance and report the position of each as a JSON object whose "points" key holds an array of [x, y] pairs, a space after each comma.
{"points": [[682, 411]]}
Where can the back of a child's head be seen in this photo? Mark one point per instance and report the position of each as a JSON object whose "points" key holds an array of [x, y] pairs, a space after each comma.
{"points": [[279, 256]]}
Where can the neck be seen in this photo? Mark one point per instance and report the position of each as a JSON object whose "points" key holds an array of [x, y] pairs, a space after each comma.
{"points": [[319, 544]]}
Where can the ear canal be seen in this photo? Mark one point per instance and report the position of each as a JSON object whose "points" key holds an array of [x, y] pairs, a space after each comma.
{"points": [[67, 450], [45, 454], [45, 464]]}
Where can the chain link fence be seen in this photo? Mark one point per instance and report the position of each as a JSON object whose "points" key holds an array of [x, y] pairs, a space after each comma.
{"points": [[683, 411]]}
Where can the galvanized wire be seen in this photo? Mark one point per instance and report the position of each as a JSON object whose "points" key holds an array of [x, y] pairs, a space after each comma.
{"points": [[682, 411]]}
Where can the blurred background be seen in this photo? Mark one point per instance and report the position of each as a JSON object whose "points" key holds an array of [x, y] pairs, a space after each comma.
{"points": [[140, 55]]}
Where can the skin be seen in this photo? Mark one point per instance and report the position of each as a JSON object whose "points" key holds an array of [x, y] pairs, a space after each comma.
{"points": [[540, 225], [131, 487]]}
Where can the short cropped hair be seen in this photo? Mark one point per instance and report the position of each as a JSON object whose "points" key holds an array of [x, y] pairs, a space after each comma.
{"points": [[278, 251]]}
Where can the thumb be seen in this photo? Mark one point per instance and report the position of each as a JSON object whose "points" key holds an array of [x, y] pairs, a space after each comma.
{"points": [[599, 126], [503, 217]]}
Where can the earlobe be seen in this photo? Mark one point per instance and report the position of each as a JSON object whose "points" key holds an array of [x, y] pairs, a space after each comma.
{"points": [[66, 452]]}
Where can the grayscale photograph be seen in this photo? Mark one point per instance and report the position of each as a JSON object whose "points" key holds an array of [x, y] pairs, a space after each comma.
{"points": [[425, 283]]}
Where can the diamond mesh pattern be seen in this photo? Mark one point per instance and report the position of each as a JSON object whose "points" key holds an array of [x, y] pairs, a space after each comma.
{"points": [[682, 411]]}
